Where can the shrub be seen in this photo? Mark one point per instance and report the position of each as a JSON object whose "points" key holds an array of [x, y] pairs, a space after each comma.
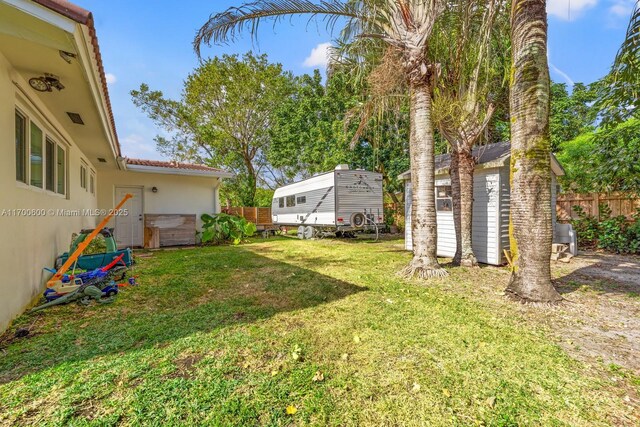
{"points": [[224, 228], [613, 234]]}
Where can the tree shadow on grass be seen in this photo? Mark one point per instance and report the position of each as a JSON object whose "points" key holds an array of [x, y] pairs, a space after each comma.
{"points": [[180, 293], [604, 274]]}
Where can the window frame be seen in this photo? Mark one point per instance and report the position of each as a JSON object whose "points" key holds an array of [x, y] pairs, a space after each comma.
{"points": [[83, 176], [47, 137], [301, 200], [291, 201], [24, 179], [281, 202], [448, 197], [36, 125], [92, 182]]}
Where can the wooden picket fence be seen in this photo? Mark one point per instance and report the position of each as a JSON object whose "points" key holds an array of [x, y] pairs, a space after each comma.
{"points": [[620, 204]]}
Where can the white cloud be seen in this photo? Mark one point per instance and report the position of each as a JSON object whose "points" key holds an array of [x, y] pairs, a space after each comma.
{"points": [[569, 10], [111, 78], [138, 147], [621, 8], [319, 56]]}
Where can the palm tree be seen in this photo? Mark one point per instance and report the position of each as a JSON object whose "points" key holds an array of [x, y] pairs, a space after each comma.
{"points": [[470, 47], [619, 97], [404, 25], [531, 234]]}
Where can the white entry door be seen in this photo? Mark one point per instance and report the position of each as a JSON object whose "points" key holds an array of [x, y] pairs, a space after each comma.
{"points": [[129, 228]]}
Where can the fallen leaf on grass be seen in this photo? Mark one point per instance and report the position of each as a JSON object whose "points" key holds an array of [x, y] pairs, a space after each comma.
{"points": [[446, 392], [491, 402], [344, 356], [291, 410], [356, 339], [415, 388], [274, 373], [319, 376]]}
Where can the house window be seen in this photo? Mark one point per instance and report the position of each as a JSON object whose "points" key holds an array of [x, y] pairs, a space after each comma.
{"points": [[50, 165], [301, 200], [444, 202], [36, 157], [46, 166], [281, 202], [291, 201], [83, 177], [21, 148], [61, 170], [92, 183]]}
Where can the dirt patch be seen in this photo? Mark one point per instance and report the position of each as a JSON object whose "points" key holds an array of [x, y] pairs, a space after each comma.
{"points": [[601, 318], [185, 366]]}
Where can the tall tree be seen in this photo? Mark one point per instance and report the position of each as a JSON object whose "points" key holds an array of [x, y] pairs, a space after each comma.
{"points": [[571, 114], [404, 25], [619, 97], [223, 117], [470, 46], [531, 233]]}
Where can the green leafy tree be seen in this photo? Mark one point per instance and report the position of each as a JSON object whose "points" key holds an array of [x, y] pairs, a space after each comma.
{"points": [[404, 26], [571, 114], [605, 160], [223, 118], [619, 94]]}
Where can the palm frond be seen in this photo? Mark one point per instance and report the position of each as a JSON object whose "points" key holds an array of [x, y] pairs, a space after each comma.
{"points": [[620, 94], [227, 25]]}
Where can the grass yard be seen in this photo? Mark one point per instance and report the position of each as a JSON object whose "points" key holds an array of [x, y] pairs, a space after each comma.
{"points": [[288, 332]]}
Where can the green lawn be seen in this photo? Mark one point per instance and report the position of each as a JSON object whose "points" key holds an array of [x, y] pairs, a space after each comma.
{"points": [[235, 335]]}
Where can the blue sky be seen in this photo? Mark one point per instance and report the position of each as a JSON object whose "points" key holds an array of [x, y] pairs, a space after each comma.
{"points": [[150, 42]]}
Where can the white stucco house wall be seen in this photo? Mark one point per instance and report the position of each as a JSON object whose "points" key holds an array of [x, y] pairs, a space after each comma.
{"points": [[59, 151], [491, 199]]}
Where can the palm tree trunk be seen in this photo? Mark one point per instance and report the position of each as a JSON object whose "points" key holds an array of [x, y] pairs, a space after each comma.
{"points": [[465, 173], [423, 211], [531, 234], [454, 173]]}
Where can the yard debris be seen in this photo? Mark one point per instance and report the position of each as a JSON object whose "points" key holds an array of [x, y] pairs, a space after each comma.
{"points": [[356, 338], [560, 252], [491, 402], [319, 376], [446, 392], [415, 388], [295, 354], [344, 356]]}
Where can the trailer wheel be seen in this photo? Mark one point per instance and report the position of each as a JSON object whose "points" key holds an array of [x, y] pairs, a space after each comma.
{"points": [[309, 231], [358, 219], [301, 232]]}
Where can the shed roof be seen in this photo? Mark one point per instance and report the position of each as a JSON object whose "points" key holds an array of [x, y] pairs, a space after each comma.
{"points": [[489, 155]]}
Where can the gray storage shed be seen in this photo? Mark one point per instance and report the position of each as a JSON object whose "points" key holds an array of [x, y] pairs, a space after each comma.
{"points": [[491, 196]]}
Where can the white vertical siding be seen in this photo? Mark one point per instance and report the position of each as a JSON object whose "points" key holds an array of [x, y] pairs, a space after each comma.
{"points": [[505, 204], [485, 239], [446, 227], [408, 198]]}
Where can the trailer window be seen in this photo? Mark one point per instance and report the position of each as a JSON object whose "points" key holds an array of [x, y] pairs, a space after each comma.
{"points": [[281, 202], [301, 200], [291, 201], [444, 202]]}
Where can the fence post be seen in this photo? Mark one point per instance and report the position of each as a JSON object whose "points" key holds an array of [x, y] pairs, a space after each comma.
{"points": [[596, 200]]}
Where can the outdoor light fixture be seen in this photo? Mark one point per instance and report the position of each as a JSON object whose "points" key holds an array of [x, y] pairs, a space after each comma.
{"points": [[154, 189], [45, 83]]}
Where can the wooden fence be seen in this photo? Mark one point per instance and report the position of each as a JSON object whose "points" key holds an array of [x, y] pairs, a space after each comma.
{"points": [[259, 216], [620, 204]]}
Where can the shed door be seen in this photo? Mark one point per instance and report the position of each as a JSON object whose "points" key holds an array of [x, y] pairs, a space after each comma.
{"points": [[129, 228]]}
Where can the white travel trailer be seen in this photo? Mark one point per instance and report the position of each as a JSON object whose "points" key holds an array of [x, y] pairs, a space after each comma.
{"points": [[342, 200]]}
